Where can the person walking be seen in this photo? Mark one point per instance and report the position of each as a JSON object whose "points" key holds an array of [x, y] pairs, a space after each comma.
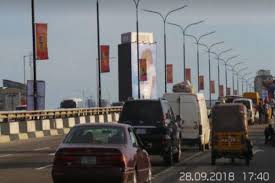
{"points": [[269, 132]]}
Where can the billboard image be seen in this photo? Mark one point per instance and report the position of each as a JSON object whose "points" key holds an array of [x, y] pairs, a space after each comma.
{"points": [[41, 41], [188, 74], [169, 71], [221, 90], [104, 63], [201, 83], [143, 69], [212, 86], [148, 86]]}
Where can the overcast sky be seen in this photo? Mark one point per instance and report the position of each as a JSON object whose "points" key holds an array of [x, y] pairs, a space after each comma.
{"points": [[247, 26]]}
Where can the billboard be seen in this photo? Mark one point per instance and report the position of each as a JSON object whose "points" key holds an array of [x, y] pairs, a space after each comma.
{"points": [[148, 87], [221, 90], [41, 41], [212, 87], [40, 95], [201, 83], [143, 69]]}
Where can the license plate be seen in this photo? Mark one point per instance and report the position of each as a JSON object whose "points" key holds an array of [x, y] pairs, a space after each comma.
{"points": [[140, 131], [89, 160]]}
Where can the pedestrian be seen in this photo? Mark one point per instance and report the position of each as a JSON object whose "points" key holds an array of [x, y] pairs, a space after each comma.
{"points": [[266, 112], [269, 132], [261, 111]]}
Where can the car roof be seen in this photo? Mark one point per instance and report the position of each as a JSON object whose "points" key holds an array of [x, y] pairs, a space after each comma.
{"points": [[243, 99], [111, 124], [144, 100]]}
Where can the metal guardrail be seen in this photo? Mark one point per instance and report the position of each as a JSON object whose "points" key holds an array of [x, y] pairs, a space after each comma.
{"points": [[8, 116]]}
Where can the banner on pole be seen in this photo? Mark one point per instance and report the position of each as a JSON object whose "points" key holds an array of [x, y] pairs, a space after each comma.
{"points": [[228, 91], [169, 71], [221, 91], [188, 74], [143, 69], [105, 58], [201, 82], [41, 41], [212, 87]]}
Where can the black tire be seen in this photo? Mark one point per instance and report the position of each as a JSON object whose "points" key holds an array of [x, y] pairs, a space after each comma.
{"points": [[177, 156], [213, 159], [168, 157]]}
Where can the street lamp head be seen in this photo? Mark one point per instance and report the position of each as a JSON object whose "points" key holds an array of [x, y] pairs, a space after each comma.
{"points": [[206, 34]]}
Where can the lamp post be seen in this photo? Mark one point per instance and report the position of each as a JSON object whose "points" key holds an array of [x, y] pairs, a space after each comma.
{"points": [[35, 106], [198, 55], [98, 55], [136, 2], [209, 63], [233, 70], [164, 19], [243, 78], [218, 57], [225, 67], [184, 29], [238, 74], [247, 82]]}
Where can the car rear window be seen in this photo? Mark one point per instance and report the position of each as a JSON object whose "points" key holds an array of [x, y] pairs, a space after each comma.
{"points": [[96, 135], [141, 112], [246, 103]]}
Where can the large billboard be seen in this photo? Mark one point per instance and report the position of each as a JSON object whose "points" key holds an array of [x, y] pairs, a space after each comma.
{"points": [[148, 87]]}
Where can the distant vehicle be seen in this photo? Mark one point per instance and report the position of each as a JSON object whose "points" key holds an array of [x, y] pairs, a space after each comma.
{"points": [[249, 106], [193, 111], [21, 108], [101, 153], [72, 103], [230, 98], [254, 96], [155, 124]]}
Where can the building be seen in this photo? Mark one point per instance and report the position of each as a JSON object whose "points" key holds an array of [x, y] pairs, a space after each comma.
{"points": [[12, 94], [262, 76]]}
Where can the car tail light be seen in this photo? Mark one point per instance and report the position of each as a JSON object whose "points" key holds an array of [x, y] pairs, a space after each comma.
{"points": [[119, 160], [64, 158], [200, 129]]}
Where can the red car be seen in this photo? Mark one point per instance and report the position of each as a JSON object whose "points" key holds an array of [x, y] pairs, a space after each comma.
{"points": [[106, 152]]}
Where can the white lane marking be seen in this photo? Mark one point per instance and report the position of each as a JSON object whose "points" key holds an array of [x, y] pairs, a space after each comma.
{"points": [[41, 149], [6, 155], [173, 167], [44, 167], [51, 154]]}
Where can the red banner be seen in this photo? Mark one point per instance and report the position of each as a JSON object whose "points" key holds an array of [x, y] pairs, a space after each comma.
{"points": [[228, 91], [212, 86], [143, 69], [41, 41], [169, 72], [201, 83], [221, 91], [188, 74], [105, 53]]}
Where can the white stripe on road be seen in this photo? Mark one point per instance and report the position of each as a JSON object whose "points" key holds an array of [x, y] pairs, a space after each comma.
{"points": [[41, 149], [51, 154], [6, 155], [44, 167]]}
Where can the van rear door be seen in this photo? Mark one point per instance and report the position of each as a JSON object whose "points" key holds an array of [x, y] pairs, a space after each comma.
{"points": [[189, 113]]}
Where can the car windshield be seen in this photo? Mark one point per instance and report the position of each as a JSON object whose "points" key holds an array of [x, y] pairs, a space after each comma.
{"points": [[147, 112], [246, 103], [96, 135]]}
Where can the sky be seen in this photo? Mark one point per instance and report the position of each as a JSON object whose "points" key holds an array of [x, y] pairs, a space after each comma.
{"points": [[246, 26]]}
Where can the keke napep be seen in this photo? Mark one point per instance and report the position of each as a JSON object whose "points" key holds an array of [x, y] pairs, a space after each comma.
{"points": [[230, 133]]}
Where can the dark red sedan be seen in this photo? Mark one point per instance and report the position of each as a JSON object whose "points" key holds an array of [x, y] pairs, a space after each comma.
{"points": [[106, 152]]}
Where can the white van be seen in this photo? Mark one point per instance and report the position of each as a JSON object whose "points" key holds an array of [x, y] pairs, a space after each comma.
{"points": [[193, 111], [249, 105]]}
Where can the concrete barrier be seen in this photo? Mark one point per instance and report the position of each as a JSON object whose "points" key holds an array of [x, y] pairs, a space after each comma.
{"points": [[23, 130]]}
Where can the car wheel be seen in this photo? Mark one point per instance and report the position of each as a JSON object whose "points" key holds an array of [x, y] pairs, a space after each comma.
{"points": [[149, 179], [177, 156], [168, 157]]}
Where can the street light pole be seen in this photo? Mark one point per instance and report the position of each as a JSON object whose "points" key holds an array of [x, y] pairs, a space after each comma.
{"points": [[198, 55], [233, 70], [243, 78], [35, 107], [209, 64], [98, 55], [218, 57], [164, 19], [136, 2], [238, 74], [184, 29]]}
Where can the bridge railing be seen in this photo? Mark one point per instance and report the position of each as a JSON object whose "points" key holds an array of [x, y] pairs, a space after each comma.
{"points": [[8, 116]]}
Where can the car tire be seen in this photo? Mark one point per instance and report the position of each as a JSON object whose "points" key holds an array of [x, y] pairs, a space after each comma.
{"points": [[213, 158], [177, 156]]}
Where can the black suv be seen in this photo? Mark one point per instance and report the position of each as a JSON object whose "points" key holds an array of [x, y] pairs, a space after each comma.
{"points": [[155, 124]]}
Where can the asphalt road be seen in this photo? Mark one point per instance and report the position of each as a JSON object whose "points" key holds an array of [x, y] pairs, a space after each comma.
{"points": [[30, 161]]}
